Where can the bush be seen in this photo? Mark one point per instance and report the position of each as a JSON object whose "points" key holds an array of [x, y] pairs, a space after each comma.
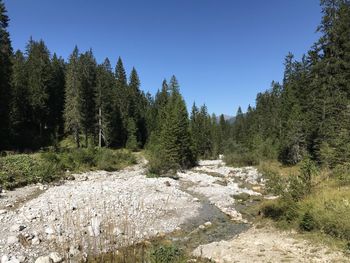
{"points": [[308, 222], [110, 160], [342, 173], [274, 183], [166, 254], [22, 169], [158, 166], [241, 159], [282, 209]]}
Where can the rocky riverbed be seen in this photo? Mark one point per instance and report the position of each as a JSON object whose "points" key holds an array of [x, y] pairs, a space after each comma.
{"points": [[100, 211]]}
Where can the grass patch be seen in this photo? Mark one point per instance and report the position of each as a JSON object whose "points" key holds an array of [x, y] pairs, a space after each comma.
{"points": [[315, 202], [22, 169]]}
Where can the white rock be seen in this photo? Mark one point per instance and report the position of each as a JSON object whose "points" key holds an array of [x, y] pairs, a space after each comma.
{"points": [[15, 228], [43, 259], [49, 231], [208, 224], [4, 259], [12, 240], [35, 241], [56, 258], [21, 259], [201, 227]]}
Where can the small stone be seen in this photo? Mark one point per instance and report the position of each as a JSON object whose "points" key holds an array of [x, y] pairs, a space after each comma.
{"points": [[12, 240], [22, 259], [195, 199], [178, 229], [35, 241], [56, 258], [201, 227], [49, 231], [167, 183], [42, 187], [44, 259], [208, 224], [3, 211]]}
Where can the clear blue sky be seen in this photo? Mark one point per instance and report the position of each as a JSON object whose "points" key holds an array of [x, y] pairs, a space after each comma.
{"points": [[222, 51]]}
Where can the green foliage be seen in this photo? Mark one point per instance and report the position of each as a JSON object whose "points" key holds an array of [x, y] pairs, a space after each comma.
{"points": [[342, 173], [307, 222], [5, 77], [173, 149], [22, 169], [167, 254], [281, 210], [131, 142]]}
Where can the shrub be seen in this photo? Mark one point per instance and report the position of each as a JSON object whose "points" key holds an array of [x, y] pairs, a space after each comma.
{"points": [[166, 254], [110, 160], [281, 209], [307, 222], [22, 169], [241, 159], [342, 173], [274, 183]]}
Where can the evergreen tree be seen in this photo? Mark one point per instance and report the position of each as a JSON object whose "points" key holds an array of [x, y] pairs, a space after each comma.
{"points": [[72, 113], [122, 104], [20, 125], [175, 139], [5, 77], [39, 72], [87, 93], [56, 96], [201, 131], [108, 115]]}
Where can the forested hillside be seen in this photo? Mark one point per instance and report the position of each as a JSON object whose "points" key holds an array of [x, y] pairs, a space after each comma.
{"points": [[307, 115]]}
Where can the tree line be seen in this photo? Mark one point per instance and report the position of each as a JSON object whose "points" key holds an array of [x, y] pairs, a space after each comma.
{"points": [[44, 99], [308, 114]]}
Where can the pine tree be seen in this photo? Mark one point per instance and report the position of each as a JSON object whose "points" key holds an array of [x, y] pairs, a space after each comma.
{"points": [[87, 93], [72, 113], [108, 118], [56, 96], [175, 139], [20, 121], [122, 104], [39, 70], [5, 77], [201, 131]]}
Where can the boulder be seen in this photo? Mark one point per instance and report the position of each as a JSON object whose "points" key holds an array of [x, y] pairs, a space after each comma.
{"points": [[55, 257], [43, 259]]}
